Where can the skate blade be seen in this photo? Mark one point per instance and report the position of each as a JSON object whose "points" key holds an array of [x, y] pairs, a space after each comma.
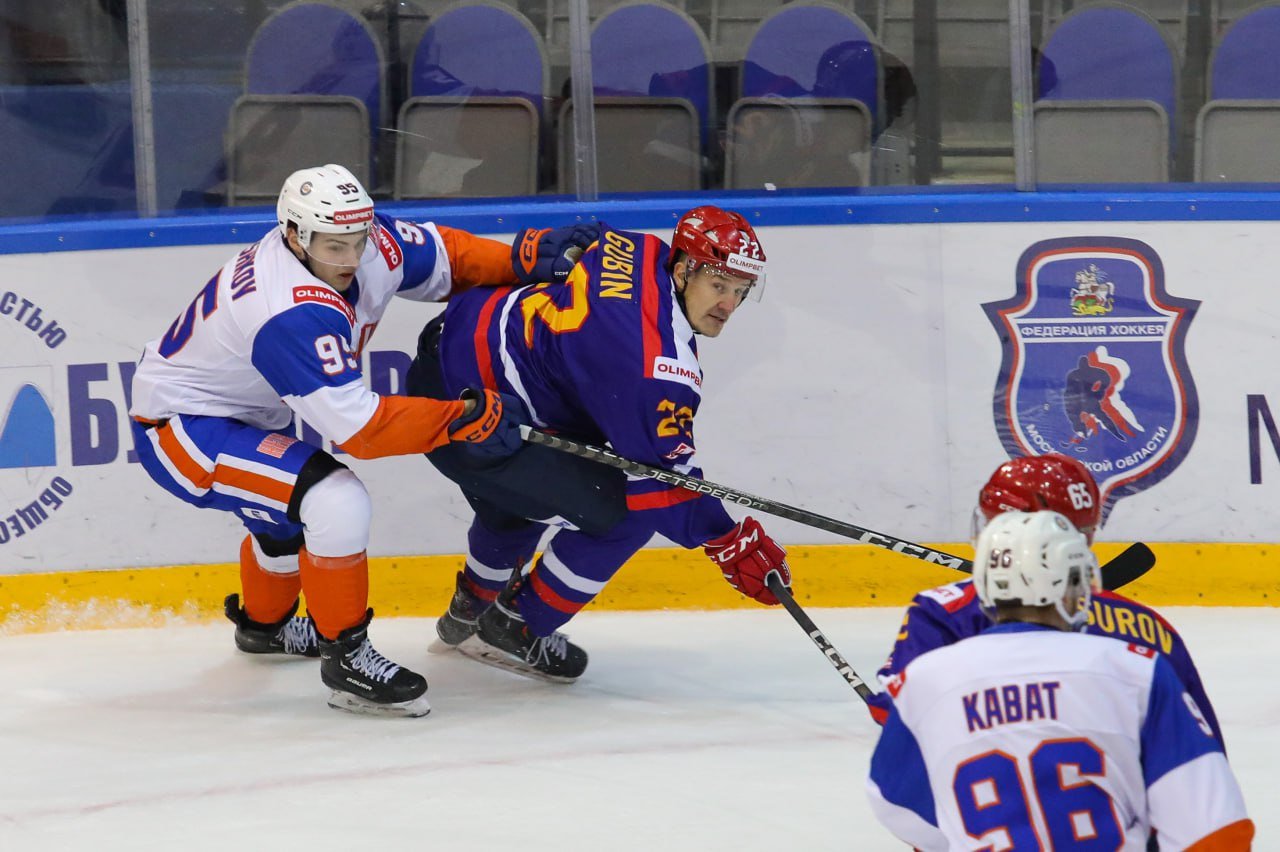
{"points": [[340, 700], [477, 649]]}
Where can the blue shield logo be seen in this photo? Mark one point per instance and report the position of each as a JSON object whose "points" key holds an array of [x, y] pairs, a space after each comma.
{"points": [[1094, 364]]}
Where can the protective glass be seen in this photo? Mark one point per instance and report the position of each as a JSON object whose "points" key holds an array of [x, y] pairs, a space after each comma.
{"points": [[337, 249], [739, 273]]}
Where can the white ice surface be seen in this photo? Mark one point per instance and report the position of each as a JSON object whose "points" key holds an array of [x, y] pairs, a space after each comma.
{"points": [[689, 731]]}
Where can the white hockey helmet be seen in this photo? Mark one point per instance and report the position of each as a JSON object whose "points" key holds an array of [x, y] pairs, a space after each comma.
{"points": [[1035, 559], [328, 199]]}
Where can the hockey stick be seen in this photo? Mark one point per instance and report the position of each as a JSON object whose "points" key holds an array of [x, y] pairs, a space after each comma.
{"points": [[1131, 564], [783, 594]]}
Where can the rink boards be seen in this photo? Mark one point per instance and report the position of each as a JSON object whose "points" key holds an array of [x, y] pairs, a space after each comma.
{"points": [[904, 347]]}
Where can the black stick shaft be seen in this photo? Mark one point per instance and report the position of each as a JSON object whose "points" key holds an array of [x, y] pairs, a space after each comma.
{"points": [[783, 594], [1128, 566], [741, 498]]}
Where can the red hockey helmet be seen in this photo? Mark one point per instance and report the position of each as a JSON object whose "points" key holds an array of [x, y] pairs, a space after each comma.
{"points": [[1031, 483], [723, 240]]}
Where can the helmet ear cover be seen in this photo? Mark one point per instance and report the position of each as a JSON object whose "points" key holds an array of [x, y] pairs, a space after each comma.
{"points": [[326, 199]]}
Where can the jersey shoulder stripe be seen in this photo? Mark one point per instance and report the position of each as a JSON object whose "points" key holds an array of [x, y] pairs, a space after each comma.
{"points": [[650, 334]]}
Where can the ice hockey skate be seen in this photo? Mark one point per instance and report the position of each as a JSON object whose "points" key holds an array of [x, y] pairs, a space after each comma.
{"points": [[460, 621], [502, 639], [363, 681], [293, 635]]}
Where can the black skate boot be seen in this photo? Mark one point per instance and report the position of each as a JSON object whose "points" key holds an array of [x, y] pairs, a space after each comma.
{"points": [[502, 639], [458, 623], [294, 634], [364, 681]]}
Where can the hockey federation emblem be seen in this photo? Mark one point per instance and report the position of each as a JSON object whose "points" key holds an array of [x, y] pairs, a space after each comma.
{"points": [[1093, 363]]}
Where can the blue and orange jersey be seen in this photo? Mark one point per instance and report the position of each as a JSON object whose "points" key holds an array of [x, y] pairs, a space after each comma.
{"points": [[607, 356], [947, 614]]}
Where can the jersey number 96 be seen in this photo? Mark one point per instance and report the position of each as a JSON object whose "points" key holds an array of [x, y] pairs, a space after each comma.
{"points": [[1078, 814]]}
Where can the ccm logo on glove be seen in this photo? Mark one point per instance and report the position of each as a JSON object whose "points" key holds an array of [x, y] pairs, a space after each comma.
{"points": [[493, 426], [746, 555], [528, 252], [549, 254]]}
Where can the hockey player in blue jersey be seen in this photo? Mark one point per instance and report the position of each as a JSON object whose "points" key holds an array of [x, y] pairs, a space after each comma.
{"points": [[610, 355], [1031, 736], [276, 333], [947, 614]]}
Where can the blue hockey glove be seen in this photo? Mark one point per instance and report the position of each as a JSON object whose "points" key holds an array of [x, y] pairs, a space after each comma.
{"points": [[493, 426], [549, 254]]}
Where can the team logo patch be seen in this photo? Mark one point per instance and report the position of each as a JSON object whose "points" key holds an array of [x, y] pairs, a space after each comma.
{"points": [[682, 449], [1094, 364], [305, 189], [324, 296]]}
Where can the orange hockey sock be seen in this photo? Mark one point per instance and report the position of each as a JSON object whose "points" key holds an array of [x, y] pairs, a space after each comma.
{"points": [[267, 595], [337, 589]]}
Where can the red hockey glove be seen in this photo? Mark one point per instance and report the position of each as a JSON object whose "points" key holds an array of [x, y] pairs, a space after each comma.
{"points": [[551, 253], [493, 426], [746, 555]]}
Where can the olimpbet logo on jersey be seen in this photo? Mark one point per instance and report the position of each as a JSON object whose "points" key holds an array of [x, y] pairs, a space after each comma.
{"points": [[1094, 365]]}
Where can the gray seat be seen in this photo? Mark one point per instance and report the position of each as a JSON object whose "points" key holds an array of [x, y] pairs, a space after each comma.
{"points": [[1102, 141], [645, 144], [269, 135], [1233, 141], [798, 142], [466, 146]]}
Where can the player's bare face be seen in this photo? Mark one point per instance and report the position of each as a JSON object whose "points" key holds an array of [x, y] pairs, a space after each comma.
{"points": [[334, 257], [710, 298]]}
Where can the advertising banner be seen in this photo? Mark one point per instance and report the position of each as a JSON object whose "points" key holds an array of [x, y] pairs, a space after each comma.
{"points": [[887, 371]]}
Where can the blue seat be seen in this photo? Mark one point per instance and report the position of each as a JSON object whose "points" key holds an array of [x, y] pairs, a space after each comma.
{"points": [[652, 50], [312, 48], [480, 49], [817, 51], [1246, 63], [652, 82], [1235, 127], [1108, 74], [1109, 52], [70, 148], [313, 69], [811, 82], [473, 121]]}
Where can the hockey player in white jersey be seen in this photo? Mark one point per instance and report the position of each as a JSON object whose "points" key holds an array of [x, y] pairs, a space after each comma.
{"points": [[277, 333], [1032, 736]]}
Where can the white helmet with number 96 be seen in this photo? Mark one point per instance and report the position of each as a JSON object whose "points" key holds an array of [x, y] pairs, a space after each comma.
{"points": [[1035, 559], [328, 199]]}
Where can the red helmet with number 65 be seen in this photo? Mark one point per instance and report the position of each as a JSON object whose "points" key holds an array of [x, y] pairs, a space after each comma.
{"points": [[724, 240], [1032, 483]]}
